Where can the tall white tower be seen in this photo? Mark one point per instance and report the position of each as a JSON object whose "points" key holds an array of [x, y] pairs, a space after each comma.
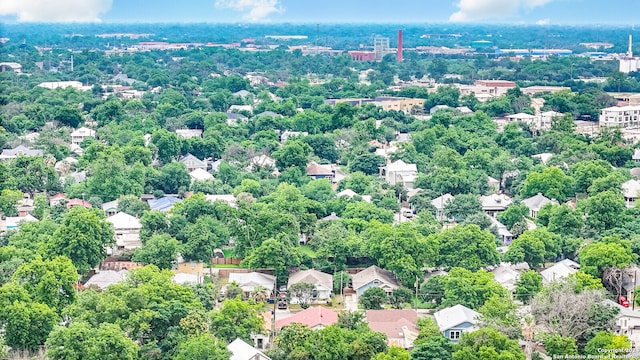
{"points": [[630, 51]]}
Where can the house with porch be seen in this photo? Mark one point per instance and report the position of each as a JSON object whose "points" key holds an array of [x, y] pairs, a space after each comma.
{"points": [[631, 192], [536, 202], [126, 231], [495, 203], [78, 135], [373, 276], [191, 163], [252, 282], [400, 326], [439, 203], [455, 320], [315, 318], [322, 282], [399, 172]]}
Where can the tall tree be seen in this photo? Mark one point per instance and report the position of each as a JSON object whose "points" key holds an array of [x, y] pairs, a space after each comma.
{"points": [[82, 236], [467, 246]]}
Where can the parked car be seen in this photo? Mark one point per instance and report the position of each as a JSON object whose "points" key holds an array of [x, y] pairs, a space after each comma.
{"points": [[622, 300]]}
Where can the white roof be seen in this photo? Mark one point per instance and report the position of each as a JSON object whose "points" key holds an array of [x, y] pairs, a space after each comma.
{"points": [[240, 350], [250, 281], [544, 157], [184, 278], [506, 275], [569, 263], [347, 192], [636, 154], [400, 165], [12, 222], [557, 272], [84, 132], [110, 205], [495, 201], [200, 174], [450, 317], [123, 220], [536, 202], [441, 201], [631, 189], [313, 277], [502, 229], [230, 199], [106, 278], [551, 113], [522, 116]]}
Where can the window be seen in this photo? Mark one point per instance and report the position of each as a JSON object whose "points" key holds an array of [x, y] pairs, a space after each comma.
{"points": [[454, 334]]}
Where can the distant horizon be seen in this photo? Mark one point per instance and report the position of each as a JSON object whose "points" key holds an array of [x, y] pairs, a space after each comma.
{"points": [[257, 24], [489, 12]]}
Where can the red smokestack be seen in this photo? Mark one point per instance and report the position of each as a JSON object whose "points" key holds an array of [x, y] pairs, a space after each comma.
{"points": [[399, 55]]}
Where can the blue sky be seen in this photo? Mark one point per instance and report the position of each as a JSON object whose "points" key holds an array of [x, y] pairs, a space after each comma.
{"points": [[621, 12]]}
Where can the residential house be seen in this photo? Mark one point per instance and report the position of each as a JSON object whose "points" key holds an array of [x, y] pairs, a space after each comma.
{"points": [[546, 119], [351, 194], [230, 199], [126, 231], [464, 110], [374, 276], [287, 134], [14, 222], [110, 208], [317, 171], [536, 202], [330, 217], [8, 154], [78, 202], [543, 157], [240, 350], [507, 274], [316, 318], [495, 203], [503, 233], [63, 166], [557, 272], [400, 326], [439, 203], [78, 135], [436, 108], [636, 155], [200, 175], [631, 192], [57, 199], [105, 278], [399, 172], [386, 151], [323, 283], [163, 204], [455, 320], [185, 279], [627, 322], [494, 184], [242, 93], [252, 282], [269, 114], [261, 161], [189, 133], [236, 119], [191, 163]]}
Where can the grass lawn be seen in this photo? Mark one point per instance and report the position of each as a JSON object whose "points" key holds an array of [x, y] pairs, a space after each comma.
{"points": [[225, 266], [307, 251]]}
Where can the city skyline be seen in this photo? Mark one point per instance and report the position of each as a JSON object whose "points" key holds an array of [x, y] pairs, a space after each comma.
{"points": [[541, 12]]}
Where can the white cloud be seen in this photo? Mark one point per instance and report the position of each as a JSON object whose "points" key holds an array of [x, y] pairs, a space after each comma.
{"points": [[55, 10], [477, 10], [543, 21], [255, 10]]}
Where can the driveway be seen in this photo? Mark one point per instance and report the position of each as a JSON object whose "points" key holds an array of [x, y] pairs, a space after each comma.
{"points": [[351, 302]]}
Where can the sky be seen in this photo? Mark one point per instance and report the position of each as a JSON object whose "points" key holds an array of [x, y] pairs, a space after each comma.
{"points": [[542, 12]]}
